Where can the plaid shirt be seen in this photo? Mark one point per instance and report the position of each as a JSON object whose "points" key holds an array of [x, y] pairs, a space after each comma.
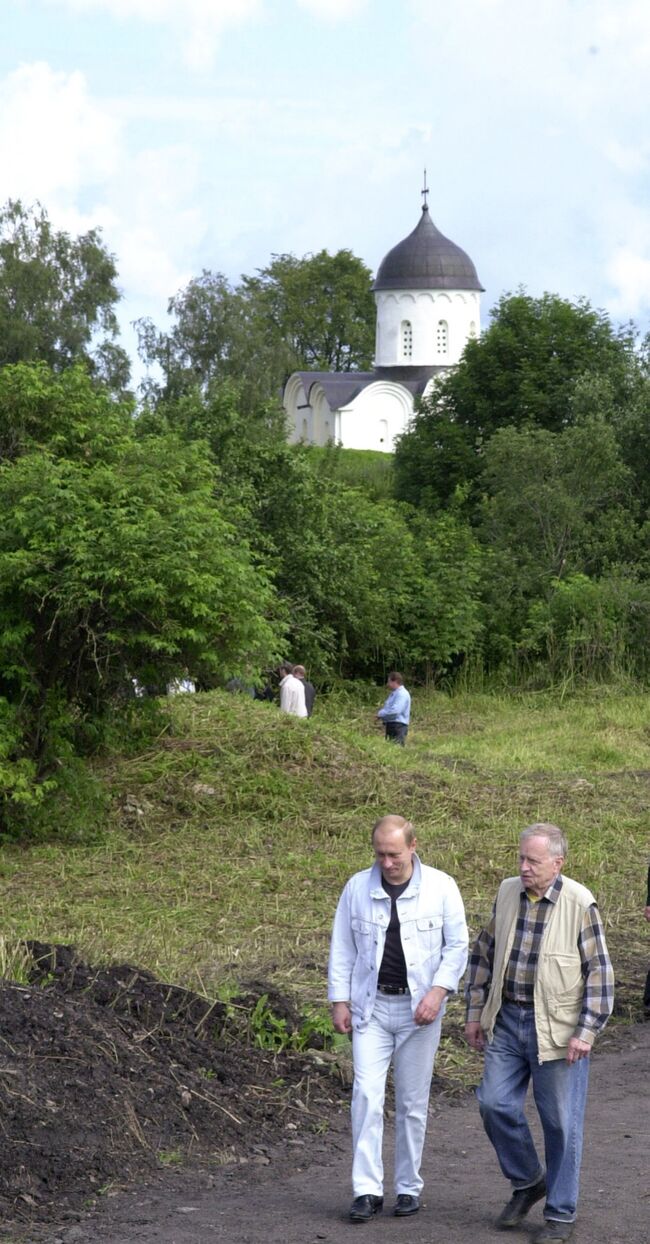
{"points": [[519, 980]]}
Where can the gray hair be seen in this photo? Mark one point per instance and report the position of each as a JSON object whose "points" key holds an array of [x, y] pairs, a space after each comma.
{"points": [[557, 843]]}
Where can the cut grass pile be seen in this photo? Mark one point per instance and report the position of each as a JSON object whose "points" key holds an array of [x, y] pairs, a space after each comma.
{"points": [[228, 842]]}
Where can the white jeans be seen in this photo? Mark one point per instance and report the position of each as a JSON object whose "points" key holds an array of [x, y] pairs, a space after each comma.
{"points": [[391, 1034]]}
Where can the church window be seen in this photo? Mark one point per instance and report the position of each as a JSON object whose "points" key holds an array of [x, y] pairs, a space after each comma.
{"points": [[305, 432], [472, 329], [442, 337], [407, 339]]}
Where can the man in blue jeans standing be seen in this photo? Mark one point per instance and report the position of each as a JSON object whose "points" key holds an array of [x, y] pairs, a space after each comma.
{"points": [[396, 710], [540, 989]]}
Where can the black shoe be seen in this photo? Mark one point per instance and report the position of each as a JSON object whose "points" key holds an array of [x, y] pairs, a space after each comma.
{"points": [[405, 1205], [363, 1208], [519, 1204], [553, 1231]]}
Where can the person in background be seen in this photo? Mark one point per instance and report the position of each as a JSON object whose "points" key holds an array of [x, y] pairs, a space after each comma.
{"points": [[310, 690], [396, 709], [399, 947], [292, 692], [540, 989]]}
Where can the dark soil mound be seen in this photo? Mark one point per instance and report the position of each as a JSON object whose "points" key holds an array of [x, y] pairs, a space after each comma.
{"points": [[108, 1074]]}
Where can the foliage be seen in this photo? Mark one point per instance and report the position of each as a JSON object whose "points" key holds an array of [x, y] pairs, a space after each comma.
{"points": [[522, 371], [57, 297], [442, 618], [314, 312], [369, 470], [321, 306], [591, 629], [115, 565], [271, 1032], [555, 505]]}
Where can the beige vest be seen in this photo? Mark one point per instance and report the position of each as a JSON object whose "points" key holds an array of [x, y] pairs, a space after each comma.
{"points": [[559, 984]]}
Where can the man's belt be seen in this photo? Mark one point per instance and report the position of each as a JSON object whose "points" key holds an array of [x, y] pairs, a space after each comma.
{"points": [[393, 989]]}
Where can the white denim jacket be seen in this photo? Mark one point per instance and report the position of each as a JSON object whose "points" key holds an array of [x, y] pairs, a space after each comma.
{"points": [[433, 933]]}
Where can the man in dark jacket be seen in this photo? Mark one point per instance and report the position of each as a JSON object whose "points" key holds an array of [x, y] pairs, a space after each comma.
{"points": [[310, 690]]}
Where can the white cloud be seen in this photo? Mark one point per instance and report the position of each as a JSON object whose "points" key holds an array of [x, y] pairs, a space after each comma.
{"points": [[199, 23], [62, 148], [333, 10], [53, 138], [629, 274]]}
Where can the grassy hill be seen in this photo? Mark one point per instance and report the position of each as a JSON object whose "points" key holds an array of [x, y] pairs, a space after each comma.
{"points": [[227, 842]]}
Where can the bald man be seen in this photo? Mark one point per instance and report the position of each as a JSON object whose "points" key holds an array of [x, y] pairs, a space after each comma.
{"points": [[399, 947]]}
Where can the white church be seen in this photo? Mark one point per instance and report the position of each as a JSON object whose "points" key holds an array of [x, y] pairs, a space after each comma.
{"points": [[428, 299]]}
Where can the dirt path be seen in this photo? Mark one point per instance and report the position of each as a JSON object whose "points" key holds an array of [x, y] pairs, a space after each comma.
{"points": [[300, 1195]]}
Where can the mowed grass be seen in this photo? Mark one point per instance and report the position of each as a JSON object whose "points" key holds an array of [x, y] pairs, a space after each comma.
{"points": [[228, 841]]}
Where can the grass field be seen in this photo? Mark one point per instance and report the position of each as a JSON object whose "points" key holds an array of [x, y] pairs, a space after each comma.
{"points": [[227, 842]]}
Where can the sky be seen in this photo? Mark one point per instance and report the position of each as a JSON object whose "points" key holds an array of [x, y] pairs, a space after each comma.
{"points": [[212, 134]]}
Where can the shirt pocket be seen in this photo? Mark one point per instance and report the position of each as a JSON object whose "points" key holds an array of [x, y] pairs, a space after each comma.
{"points": [[363, 932], [429, 934]]}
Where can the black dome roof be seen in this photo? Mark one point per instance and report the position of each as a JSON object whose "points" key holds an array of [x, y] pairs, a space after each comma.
{"points": [[426, 259]]}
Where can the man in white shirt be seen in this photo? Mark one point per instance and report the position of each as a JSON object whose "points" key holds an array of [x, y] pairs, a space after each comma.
{"points": [[399, 947], [292, 693]]}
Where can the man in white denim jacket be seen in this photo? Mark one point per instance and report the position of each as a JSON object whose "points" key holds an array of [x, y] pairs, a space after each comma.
{"points": [[399, 946]]}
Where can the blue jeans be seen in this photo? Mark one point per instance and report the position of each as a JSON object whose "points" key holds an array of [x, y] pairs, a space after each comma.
{"points": [[560, 1092]]}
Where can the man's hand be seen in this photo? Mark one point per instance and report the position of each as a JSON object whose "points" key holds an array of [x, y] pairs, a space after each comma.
{"points": [[342, 1017], [475, 1036], [428, 1008], [577, 1049]]}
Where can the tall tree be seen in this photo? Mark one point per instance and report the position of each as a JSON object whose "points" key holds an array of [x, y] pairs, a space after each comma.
{"points": [[57, 297], [523, 371], [315, 312], [116, 562], [554, 505], [321, 306]]}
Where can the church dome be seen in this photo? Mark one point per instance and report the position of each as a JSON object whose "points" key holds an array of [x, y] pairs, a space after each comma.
{"points": [[426, 259]]}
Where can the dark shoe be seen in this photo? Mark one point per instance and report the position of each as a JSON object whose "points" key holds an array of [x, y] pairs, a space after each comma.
{"points": [[405, 1205], [363, 1208], [553, 1231], [519, 1204]]}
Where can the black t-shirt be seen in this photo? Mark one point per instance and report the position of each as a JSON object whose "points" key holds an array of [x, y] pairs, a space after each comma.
{"points": [[393, 964]]}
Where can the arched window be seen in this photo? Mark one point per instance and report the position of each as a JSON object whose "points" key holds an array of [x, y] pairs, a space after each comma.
{"points": [[472, 329], [383, 431], [305, 432], [407, 339], [442, 337]]}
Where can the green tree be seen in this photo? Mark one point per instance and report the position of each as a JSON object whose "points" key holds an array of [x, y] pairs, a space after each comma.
{"points": [[441, 615], [321, 307], [554, 505], [315, 312], [115, 563], [588, 629], [522, 372], [57, 297]]}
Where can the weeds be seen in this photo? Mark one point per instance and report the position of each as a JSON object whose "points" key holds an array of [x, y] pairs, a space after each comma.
{"points": [[211, 889]]}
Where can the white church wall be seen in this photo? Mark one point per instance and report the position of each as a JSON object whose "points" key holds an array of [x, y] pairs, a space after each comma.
{"points": [[299, 413], [373, 420], [439, 324]]}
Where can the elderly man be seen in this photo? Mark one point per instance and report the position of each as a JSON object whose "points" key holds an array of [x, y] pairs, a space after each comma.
{"points": [[396, 709], [540, 989], [399, 947]]}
